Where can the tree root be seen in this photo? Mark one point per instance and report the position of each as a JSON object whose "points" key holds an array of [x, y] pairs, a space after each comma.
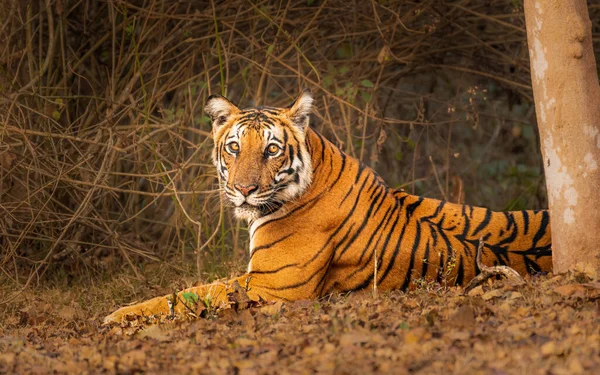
{"points": [[488, 272]]}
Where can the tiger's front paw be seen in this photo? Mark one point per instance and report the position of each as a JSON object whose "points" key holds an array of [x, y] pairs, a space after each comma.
{"points": [[155, 306]]}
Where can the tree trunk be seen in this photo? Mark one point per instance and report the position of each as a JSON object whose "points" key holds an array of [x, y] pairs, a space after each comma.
{"points": [[567, 103]]}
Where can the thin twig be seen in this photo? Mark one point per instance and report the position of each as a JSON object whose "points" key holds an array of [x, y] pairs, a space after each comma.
{"points": [[488, 272]]}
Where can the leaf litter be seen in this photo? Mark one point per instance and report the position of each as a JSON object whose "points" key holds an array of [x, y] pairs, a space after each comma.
{"points": [[548, 326]]}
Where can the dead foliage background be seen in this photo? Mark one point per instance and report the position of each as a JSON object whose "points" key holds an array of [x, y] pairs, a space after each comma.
{"points": [[105, 150]]}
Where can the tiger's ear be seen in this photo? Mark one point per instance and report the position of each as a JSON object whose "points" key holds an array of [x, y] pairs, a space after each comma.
{"points": [[219, 108], [299, 110]]}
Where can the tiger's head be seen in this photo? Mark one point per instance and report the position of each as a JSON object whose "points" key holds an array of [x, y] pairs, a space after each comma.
{"points": [[260, 153]]}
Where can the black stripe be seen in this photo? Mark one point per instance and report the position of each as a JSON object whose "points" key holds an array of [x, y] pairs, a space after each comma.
{"points": [[442, 233], [285, 137], [321, 283], [291, 148], [322, 146], [410, 209], [302, 283], [342, 224], [514, 233], [344, 238], [342, 169], [525, 221], [411, 264], [460, 277], [391, 232], [307, 205], [425, 264], [381, 229], [299, 154], [463, 236], [261, 272], [366, 217], [346, 196], [263, 247], [542, 229], [484, 223], [435, 213]]}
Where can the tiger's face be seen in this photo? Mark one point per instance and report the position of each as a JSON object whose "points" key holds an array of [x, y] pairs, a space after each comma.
{"points": [[260, 154]]}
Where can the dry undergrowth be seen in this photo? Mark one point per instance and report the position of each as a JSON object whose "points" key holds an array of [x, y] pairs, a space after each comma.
{"points": [[105, 151], [548, 326]]}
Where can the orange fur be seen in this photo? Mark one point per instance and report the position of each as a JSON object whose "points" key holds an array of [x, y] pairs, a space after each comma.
{"points": [[326, 238]]}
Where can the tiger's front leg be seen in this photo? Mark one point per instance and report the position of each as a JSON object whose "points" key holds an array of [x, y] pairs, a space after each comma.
{"points": [[217, 293]]}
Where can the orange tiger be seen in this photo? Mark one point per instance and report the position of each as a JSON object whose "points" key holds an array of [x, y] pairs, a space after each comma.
{"points": [[320, 220]]}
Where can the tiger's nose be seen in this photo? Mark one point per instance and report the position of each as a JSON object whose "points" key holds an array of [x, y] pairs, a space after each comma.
{"points": [[246, 189]]}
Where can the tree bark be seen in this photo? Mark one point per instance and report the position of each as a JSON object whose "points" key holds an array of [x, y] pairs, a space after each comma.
{"points": [[567, 103]]}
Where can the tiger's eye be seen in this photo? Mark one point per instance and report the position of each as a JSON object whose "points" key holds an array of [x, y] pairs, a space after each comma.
{"points": [[234, 147], [272, 149]]}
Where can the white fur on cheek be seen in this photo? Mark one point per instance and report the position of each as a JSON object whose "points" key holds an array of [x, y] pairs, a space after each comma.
{"points": [[304, 170]]}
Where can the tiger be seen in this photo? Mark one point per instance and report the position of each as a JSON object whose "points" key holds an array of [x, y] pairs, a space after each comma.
{"points": [[320, 221]]}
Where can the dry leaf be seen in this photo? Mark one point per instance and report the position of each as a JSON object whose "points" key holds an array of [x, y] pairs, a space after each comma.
{"points": [[384, 55], [459, 335], [272, 309], [571, 290], [134, 358], [67, 313], [353, 338], [492, 294], [477, 291], [464, 317], [550, 348], [154, 332], [7, 359]]}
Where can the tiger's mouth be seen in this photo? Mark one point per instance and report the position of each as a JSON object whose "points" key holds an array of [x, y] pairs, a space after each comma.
{"points": [[262, 209], [258, 204]]}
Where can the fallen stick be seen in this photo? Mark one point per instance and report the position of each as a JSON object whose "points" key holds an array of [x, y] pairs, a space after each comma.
{"points": [[488, 272]]}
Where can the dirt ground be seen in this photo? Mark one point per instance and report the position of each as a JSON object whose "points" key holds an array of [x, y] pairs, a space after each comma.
{"points": [[548, 326]]}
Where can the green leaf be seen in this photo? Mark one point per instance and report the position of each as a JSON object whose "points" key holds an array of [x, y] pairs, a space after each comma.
{"points": [[366, 83], [344, 51], [270, 49], [367, 96], [190, 298], [129, 29]]}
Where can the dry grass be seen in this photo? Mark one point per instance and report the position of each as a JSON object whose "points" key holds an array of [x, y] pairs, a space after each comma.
{"points": [[105, 151]]}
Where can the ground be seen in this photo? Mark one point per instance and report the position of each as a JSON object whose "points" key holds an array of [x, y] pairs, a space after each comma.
{"points": [[550, 325]]}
